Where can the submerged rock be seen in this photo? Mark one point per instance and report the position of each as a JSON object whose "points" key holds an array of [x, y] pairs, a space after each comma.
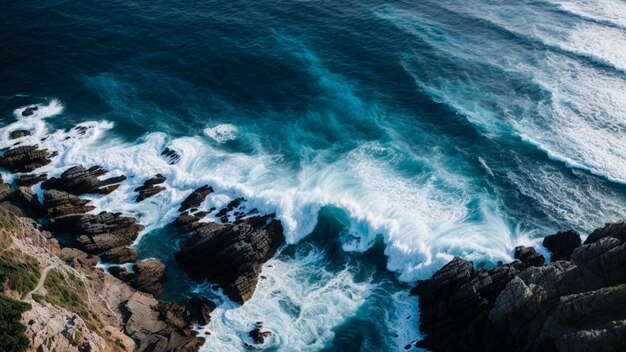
{"points": [[77, 180], [259, 336], [25, 158], [574, 304], [232, 256], [171, 156]]}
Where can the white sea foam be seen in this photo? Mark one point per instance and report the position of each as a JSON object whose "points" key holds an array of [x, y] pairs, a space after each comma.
{"points": [[222, 133], [54, 107], [603, 11]]}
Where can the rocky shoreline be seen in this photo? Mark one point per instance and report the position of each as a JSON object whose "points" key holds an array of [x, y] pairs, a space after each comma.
{"points": [[575, 303], [126, 315]]}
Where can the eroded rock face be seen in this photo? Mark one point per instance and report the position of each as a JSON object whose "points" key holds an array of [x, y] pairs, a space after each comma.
{"points": [[59, 203], [25, 158], [97, 233], [568, 305], [77, 180], [30, 180], [159, 326], [232, 256], [199, 309], [150, 188], [529, 256], [119, 255], [196, 198]]}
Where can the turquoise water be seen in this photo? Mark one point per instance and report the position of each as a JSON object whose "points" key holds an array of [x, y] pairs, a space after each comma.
{"points": [[386, 136]]}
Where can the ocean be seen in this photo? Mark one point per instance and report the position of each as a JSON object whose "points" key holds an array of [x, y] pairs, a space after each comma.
{"points": [[387, 137]]}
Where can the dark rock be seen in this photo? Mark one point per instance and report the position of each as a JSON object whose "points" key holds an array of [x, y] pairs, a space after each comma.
{"points": [[196, 198], [171, 156], [149, 276], [27, 201], [229, 207], [30, 180], [562, 244], [259, 336], [119, 255], [76, 180], [616, 230], [77, 258], [19, 134], [29, 111], [200, 309], [59, 203], [569, 305], [529, 256], [97, 233], [81, 130], [232, 256], [188, 222], [25, 158], [149, 188]]}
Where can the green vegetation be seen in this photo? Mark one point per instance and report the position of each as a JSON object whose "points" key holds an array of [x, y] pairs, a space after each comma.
{"points": [[68, 291], [18, 272], [12, 336], [76, 338]]}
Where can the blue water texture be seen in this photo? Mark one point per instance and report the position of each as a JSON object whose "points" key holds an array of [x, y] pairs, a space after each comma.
{"points": [[387, 137]]}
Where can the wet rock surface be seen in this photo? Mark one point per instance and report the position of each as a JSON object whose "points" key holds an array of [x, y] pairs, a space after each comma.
{"points": [[562, 244], [196, 198], [30, 179], [232, 255], [77, 180], [25, 158], [150, 188], [19, 134], [573, 304]]}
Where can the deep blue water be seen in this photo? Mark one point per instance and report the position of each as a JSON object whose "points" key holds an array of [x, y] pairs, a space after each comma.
{"points": [[387, 136]]}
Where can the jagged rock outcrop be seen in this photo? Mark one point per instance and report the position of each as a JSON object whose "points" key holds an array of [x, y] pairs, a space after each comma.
{"points": [[232, 256], [199, 309], [159, 327], [24, 202], [59, 203], [529, 256], [97, 233], [77, 180], [25, 158], [569, 305], [150, 188], [147, 276], [562, 244], [30, 179], [119, 255], [196, 198]]}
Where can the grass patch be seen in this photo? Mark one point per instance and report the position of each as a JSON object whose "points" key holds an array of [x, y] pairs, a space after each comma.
{"points": [[12, 337], [18, 271], [68, 291]]}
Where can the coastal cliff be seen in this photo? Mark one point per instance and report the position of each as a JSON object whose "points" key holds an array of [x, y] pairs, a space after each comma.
{"points": [[575, 303]]}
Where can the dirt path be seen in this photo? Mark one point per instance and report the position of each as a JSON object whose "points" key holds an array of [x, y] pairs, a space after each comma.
{"points": [[42, 279]]}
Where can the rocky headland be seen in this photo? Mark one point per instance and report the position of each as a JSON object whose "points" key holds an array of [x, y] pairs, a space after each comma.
{"points": [[577, 302], [56, 298]]}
